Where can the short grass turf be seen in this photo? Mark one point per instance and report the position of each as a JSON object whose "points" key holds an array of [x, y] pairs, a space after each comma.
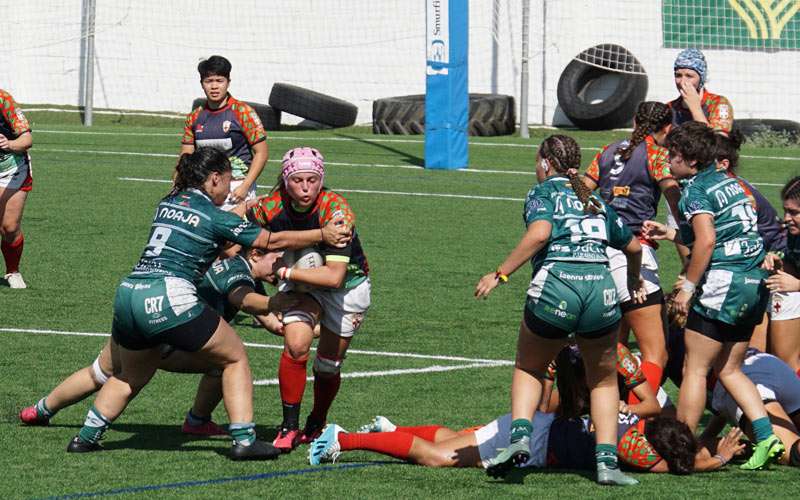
{"points": [[85, 225]]}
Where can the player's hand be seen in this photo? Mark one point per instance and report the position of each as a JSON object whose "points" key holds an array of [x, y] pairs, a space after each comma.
{"points": [[782, 281], [636, 289], [239, 194], [273, 322], [729, 445], [691, 97], [4, 142], [657, 231], [486, 285], [623, 408], [681, 302], [337, 233], [772, 262]]}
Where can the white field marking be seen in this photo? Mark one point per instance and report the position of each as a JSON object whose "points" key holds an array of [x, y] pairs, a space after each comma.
{"points": [[389, 373], [278, 136], [176, 116], [367, 191], [411, 355]]}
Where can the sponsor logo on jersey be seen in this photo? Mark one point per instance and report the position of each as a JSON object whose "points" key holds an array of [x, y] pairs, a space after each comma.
{"points": [[180, 216], [622, 190], [226, 126], [199, 129]]}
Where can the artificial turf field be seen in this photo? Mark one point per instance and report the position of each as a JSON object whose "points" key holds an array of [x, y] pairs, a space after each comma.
{"points": [[428, 351]]}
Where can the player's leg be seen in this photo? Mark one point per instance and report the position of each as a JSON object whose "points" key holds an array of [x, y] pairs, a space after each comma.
{"points": [[701, 351], [786, 430], [12, 205], [648, 328], [784, 341], [292, 373]]}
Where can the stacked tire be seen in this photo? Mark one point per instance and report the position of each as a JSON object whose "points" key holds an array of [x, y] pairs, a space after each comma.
{"points": [[312, 105], [489, 115]]}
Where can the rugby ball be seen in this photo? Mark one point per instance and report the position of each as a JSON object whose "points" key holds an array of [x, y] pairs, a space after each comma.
{"points": [[305, 258]]}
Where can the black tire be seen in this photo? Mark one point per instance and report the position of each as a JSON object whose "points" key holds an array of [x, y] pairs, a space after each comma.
{"points": [[750, 126], [312, 105], [270, 117], [489, 115], [614, 112]]}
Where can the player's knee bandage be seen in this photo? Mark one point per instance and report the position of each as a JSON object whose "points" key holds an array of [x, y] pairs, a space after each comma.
{"points": [[794, 454], [297, 316], [99, 376], [327, 366]]}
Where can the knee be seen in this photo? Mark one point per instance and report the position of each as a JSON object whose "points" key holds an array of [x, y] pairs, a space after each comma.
{"points": [[326, 367], [727, 372], [297, 350]]}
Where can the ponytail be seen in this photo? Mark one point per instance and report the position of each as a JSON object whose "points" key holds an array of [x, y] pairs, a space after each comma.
{"points": [[564, 155], [651, 116], [194, 168]]}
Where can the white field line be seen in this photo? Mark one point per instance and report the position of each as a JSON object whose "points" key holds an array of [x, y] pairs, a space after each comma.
{"points": [[342, 164], [279, 136], [411, 355], [176, 116], [367, 191], [389, 373]]}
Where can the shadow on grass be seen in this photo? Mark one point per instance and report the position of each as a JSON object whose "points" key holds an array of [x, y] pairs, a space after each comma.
{"points": [[517, 476], [411, 159]]}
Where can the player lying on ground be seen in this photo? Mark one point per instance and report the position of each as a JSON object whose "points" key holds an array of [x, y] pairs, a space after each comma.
{"points": [[229, 287], [572, 290], [340, 285], [558, 440], [158, 304]]}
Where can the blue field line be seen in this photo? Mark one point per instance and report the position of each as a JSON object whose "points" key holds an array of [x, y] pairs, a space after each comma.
{"points": [[222, 480]]}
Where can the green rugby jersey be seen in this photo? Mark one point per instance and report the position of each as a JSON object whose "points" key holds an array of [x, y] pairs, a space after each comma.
{"points": [[738, 243], [221, 278], [187, 233], [576, 236]]}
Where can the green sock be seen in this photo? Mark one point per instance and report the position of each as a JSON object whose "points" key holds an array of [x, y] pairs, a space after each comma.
{"points": [[520, 428], [243, 433], [762, 428], [606, 456], [94, 426], [43, 410]]}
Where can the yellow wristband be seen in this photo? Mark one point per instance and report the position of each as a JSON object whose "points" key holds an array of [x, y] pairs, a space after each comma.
{"points": [[503, 278]]}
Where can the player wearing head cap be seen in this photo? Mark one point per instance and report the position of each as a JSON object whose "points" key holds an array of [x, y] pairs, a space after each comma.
{"points": [[341, 286], [695, 102]]}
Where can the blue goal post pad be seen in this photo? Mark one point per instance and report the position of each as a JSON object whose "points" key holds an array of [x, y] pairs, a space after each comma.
{"points": [[446, 90]]}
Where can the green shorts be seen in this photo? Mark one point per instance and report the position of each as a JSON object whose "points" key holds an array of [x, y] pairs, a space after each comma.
{"points": [[733, 297], [146, 311], [574, 297]]}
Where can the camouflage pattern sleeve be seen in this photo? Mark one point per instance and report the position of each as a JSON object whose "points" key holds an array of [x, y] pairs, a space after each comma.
{"points": [[188, 128], [252, 127], [658, 162], [593, 170], [12, 114], [720, 113], [628, 367], [267, 207], [635, 450], [333, 205]]}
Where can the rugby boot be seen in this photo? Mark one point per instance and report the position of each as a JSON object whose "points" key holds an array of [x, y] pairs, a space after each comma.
{"points": [[378, 424], [286, 439], [209, 428], [517, 453], [326, 447], [311, 431], [258, 450], [30, 416], [613, 477], [766, 452], [77, 445]]}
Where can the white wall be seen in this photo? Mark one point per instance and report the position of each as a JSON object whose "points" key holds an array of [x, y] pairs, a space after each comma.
{"points": [[359, 50]]}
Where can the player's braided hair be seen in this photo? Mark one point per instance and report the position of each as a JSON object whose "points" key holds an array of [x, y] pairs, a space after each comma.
{"points": [[564, 154], [674, 441], [791, 191], [194, 168], [694, 141], [651, 116], [728, 148]]}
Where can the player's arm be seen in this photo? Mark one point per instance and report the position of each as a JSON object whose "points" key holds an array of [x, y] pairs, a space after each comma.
{"points": [[672, 193], [334, 233], [592, 175], [704, 239], [18, 145], [246, 299], [648, 402], [260, 155], [535, 239], [331, 275]]}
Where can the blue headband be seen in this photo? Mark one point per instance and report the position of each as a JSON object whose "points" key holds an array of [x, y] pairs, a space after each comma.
{"points": [[695, 60]]}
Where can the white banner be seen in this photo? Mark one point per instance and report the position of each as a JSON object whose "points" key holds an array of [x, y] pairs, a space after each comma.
{"points": [[438, 36]]}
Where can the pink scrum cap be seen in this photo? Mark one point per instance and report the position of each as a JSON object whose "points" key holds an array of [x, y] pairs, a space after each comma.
{"points": [[303, 159]]}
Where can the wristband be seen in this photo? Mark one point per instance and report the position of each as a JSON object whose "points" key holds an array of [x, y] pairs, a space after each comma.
{"points": [[502, 278], [285, 273], [688, 287], [721, 459], [321, 236]]}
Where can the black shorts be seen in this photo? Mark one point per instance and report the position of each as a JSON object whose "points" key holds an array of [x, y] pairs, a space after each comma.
{"points": [[654, 298], [546, 330], [570, 445], [190, 336], [717, 330]]}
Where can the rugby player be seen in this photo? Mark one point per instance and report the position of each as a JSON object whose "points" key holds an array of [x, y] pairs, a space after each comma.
{"points": [[695, 103]]}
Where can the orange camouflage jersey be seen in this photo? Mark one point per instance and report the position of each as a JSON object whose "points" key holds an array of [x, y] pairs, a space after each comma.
{"points": [[716, 108], [635, 450], [12, 125], [234, 128], [629, 371], [276, 213]]}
